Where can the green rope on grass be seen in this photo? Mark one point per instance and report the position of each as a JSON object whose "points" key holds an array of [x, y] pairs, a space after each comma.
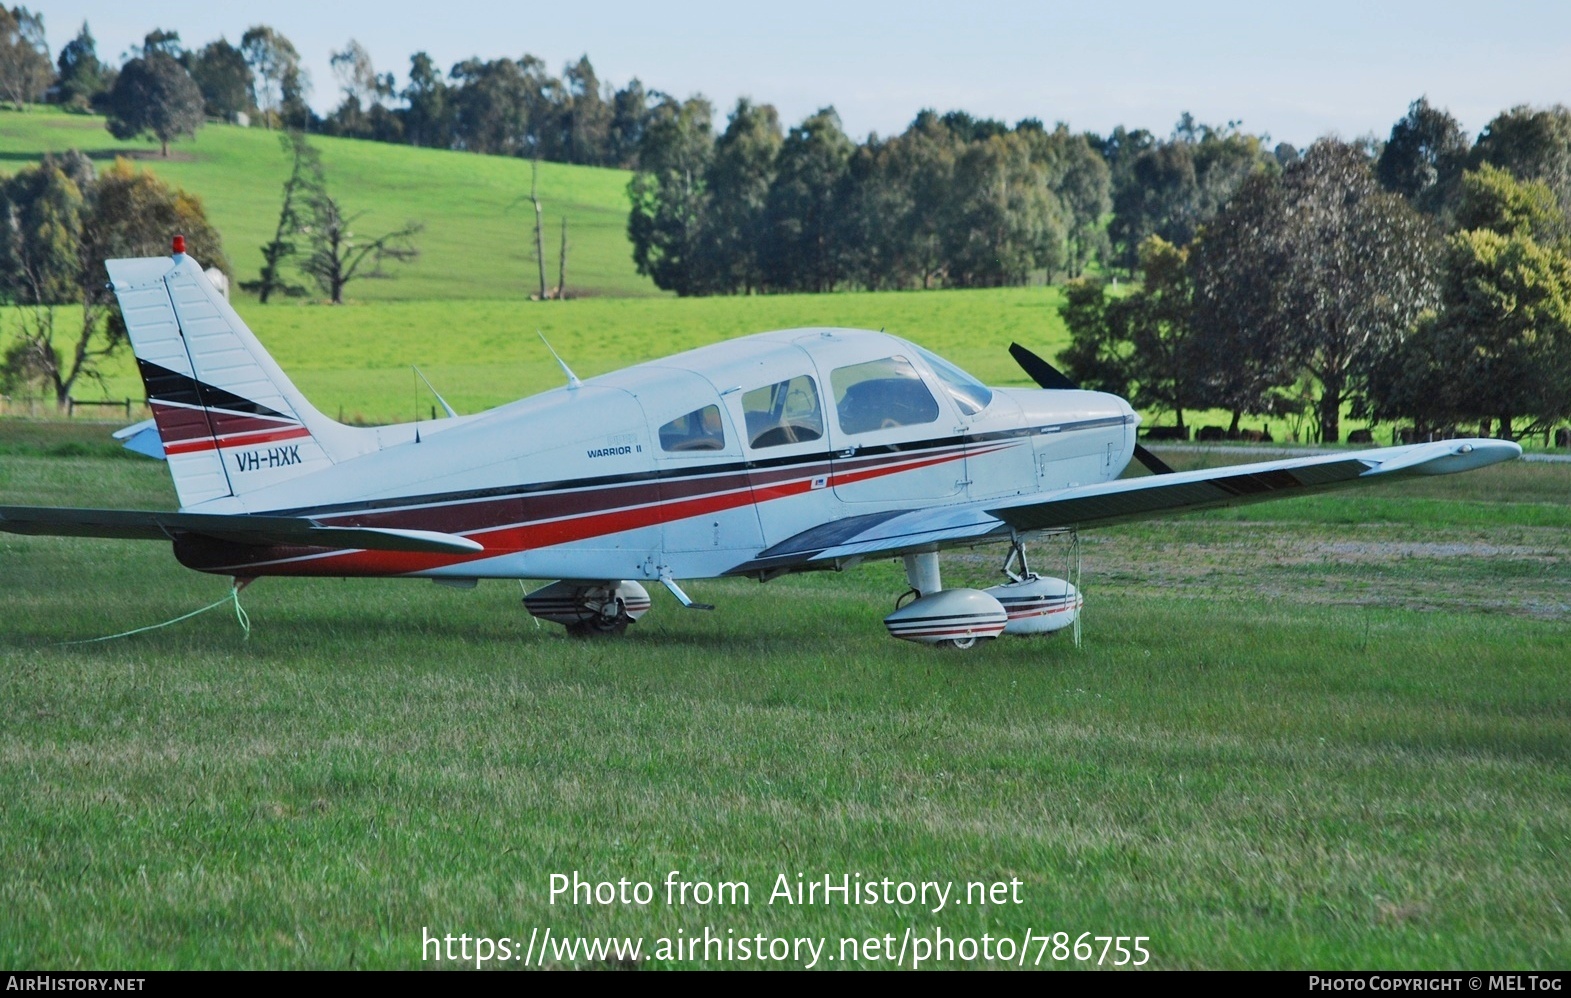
{"points": [[233, 596]]}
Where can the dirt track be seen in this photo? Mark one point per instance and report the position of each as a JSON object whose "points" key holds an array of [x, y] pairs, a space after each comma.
{"points": [[1520, 571]]}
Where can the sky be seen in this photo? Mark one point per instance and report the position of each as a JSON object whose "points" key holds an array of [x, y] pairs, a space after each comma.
{"points": [[1294, 71]]}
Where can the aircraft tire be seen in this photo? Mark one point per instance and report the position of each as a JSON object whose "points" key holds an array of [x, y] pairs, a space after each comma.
{"points": [[600, 627]]}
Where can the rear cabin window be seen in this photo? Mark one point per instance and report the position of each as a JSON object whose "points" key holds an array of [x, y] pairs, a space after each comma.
{"points": [[881, 394], [696, 430], [783, 413]]}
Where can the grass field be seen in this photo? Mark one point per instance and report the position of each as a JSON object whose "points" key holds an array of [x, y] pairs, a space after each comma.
{"points": [[479, 235], [1306, 734]]}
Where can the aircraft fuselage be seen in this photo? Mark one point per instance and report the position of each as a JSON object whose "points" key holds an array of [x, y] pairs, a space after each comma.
{"points": [[687, 466]]}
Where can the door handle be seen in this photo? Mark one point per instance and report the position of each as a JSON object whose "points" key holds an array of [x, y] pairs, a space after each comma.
{"points": [[848, 452]]}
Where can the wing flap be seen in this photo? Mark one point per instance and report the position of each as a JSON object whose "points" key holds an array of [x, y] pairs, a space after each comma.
{"points": [[260, 530]]}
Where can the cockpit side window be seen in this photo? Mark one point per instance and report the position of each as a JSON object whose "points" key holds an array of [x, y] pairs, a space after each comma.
{"points": [[970, 395], [881, 394], [786, 412], [700, 429]]}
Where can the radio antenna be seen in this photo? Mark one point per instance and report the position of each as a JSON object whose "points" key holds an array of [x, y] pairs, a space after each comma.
{"points": [[572, 379], [445, 407]]}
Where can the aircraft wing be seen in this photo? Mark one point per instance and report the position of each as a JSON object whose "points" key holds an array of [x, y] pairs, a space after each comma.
{"points": [[928, 529], [238, 528]]}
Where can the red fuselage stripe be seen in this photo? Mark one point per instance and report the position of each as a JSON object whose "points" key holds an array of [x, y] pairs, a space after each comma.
{"points": [[514, 537], [250, 439]]}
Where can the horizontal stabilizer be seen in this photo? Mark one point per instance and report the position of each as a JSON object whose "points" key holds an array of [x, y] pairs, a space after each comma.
{"points": [[262, 531], [142, 438]]}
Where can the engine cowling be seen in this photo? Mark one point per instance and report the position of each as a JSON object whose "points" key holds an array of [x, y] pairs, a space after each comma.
{"points": [[958, 617], [1038, 605], [589, 607]]}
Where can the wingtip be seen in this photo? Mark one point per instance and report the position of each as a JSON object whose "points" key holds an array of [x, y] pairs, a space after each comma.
{"points": [[1448, 457]]}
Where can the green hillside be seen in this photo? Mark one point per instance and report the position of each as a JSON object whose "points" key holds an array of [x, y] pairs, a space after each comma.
{"points": [[479, 235]]}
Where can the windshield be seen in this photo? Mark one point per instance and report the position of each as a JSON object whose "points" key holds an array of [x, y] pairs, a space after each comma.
{"points": [[969, 394]]}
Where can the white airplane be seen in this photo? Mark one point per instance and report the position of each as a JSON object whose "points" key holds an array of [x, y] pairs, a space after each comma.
{"points": [[789, 451]]}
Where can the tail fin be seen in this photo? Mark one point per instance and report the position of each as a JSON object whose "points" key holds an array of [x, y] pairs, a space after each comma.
{"points": [[231, 422]]}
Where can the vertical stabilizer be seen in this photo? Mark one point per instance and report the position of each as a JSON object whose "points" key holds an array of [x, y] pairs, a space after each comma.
{"points": [[231, 422]]}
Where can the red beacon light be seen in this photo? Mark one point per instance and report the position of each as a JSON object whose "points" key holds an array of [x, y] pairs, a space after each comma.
{"points": [[179, 245]]}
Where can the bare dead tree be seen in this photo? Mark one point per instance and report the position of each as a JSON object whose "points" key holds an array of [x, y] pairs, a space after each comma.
{"points": [[561, 264], [337, 253], [534, 197]]}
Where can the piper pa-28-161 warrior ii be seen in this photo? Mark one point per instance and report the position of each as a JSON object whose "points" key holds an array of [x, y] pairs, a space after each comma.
{"points": [[781, 452]]}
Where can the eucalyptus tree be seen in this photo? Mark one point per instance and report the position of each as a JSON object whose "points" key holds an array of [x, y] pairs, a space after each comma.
{"points": [[1082, 181], [1171, 188], [739, 177], [1006, 221], [806, 251], [670, 196], [630, 115], [82, 78], [427, 112], [1531, 143], [154, 95], [910, 205], [24, 56], [586, 115], [337, 254], [1359, 267], [1243, 338], [300, 191], [1424, 158], [279, 81], [224, 77]]}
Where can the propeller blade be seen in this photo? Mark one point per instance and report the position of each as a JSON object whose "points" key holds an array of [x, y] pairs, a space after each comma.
{"points": [[1048, 376], [1041, 371]]}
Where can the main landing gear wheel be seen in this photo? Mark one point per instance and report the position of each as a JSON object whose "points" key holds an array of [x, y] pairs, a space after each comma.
{"points": [[969, 641], [601, 625], [591, 609]]}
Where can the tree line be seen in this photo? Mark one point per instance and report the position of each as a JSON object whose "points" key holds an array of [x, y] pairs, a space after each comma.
{"points": [[953, 201], [1425, 279], [504, 106]]}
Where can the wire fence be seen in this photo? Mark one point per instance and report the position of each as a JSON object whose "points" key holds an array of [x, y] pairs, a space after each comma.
{"points": [[45, 407]]}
